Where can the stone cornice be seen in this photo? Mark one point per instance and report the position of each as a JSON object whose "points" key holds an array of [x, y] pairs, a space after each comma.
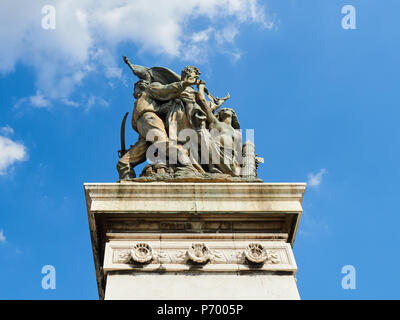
{"points": [[195, 197]]}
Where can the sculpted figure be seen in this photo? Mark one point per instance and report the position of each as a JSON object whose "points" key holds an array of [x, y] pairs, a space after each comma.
{"points": [[184, 113], [145, 119], [225, 139]]}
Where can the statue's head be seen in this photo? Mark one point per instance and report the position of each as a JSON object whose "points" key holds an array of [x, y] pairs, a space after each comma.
{"points": [[190, 72], [228, 116], [140, 86]]}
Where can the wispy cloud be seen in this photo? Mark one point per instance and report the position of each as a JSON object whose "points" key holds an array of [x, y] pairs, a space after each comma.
{"points": [[7, 130], [10, 151], [2, 237], [39, 101], [4, 241], [314, 180], [95, 101], [88, 33], [227, 34]]}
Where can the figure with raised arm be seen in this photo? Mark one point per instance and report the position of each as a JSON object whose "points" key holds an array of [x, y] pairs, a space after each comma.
{"points": [[225, 139], [156, 88]]}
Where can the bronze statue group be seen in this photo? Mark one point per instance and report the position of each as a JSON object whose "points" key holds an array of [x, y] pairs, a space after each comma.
{"points": [[181, 132]]}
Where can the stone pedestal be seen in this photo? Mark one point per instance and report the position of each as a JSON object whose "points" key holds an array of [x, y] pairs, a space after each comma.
{"points": [[194, 240]]}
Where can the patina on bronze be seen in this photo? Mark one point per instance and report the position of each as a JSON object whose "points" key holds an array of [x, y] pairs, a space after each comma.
{"points": [[181, 133]]}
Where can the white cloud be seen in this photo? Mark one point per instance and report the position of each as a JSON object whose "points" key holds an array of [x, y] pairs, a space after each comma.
{"points": [[314, 180], [2, 237], [227, 34], [39, 101], [7, 130], [236, 56], [88, 32], [10, 152], [70, 102], [93, 101], [36, 101], [203, 35]]}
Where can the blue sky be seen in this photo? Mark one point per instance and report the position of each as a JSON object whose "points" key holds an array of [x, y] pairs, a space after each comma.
{"points": [[323, 101]]}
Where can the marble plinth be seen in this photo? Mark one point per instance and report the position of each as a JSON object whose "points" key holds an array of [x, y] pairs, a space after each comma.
{"points": [[160, 240]]}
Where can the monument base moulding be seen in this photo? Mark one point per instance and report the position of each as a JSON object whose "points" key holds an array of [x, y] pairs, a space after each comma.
{"points": [[159, 240]]}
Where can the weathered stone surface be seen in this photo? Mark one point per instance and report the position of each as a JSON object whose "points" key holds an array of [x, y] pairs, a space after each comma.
{"points": [[197, 286], [173, 254], [225, 231]]}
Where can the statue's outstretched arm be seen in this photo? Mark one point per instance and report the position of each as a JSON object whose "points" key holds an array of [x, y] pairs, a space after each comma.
{"points": [[215, 103], [205, 105], [165, 92], [139, 71], [219, 102]]}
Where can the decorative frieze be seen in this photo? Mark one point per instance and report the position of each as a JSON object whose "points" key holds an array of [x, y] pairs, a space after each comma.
{"points": [[211, 255]]}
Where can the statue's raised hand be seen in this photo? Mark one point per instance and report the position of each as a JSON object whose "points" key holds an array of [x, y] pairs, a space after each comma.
{"points": [[125, 60], [190, 81]]}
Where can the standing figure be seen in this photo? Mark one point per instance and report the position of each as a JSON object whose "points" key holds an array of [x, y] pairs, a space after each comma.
{"points": [[225, 139], [150, 96]]}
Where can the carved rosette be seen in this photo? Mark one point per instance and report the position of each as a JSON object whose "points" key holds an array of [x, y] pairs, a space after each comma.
{"points": [[256, 253], [199, 253], [142, 253]]}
